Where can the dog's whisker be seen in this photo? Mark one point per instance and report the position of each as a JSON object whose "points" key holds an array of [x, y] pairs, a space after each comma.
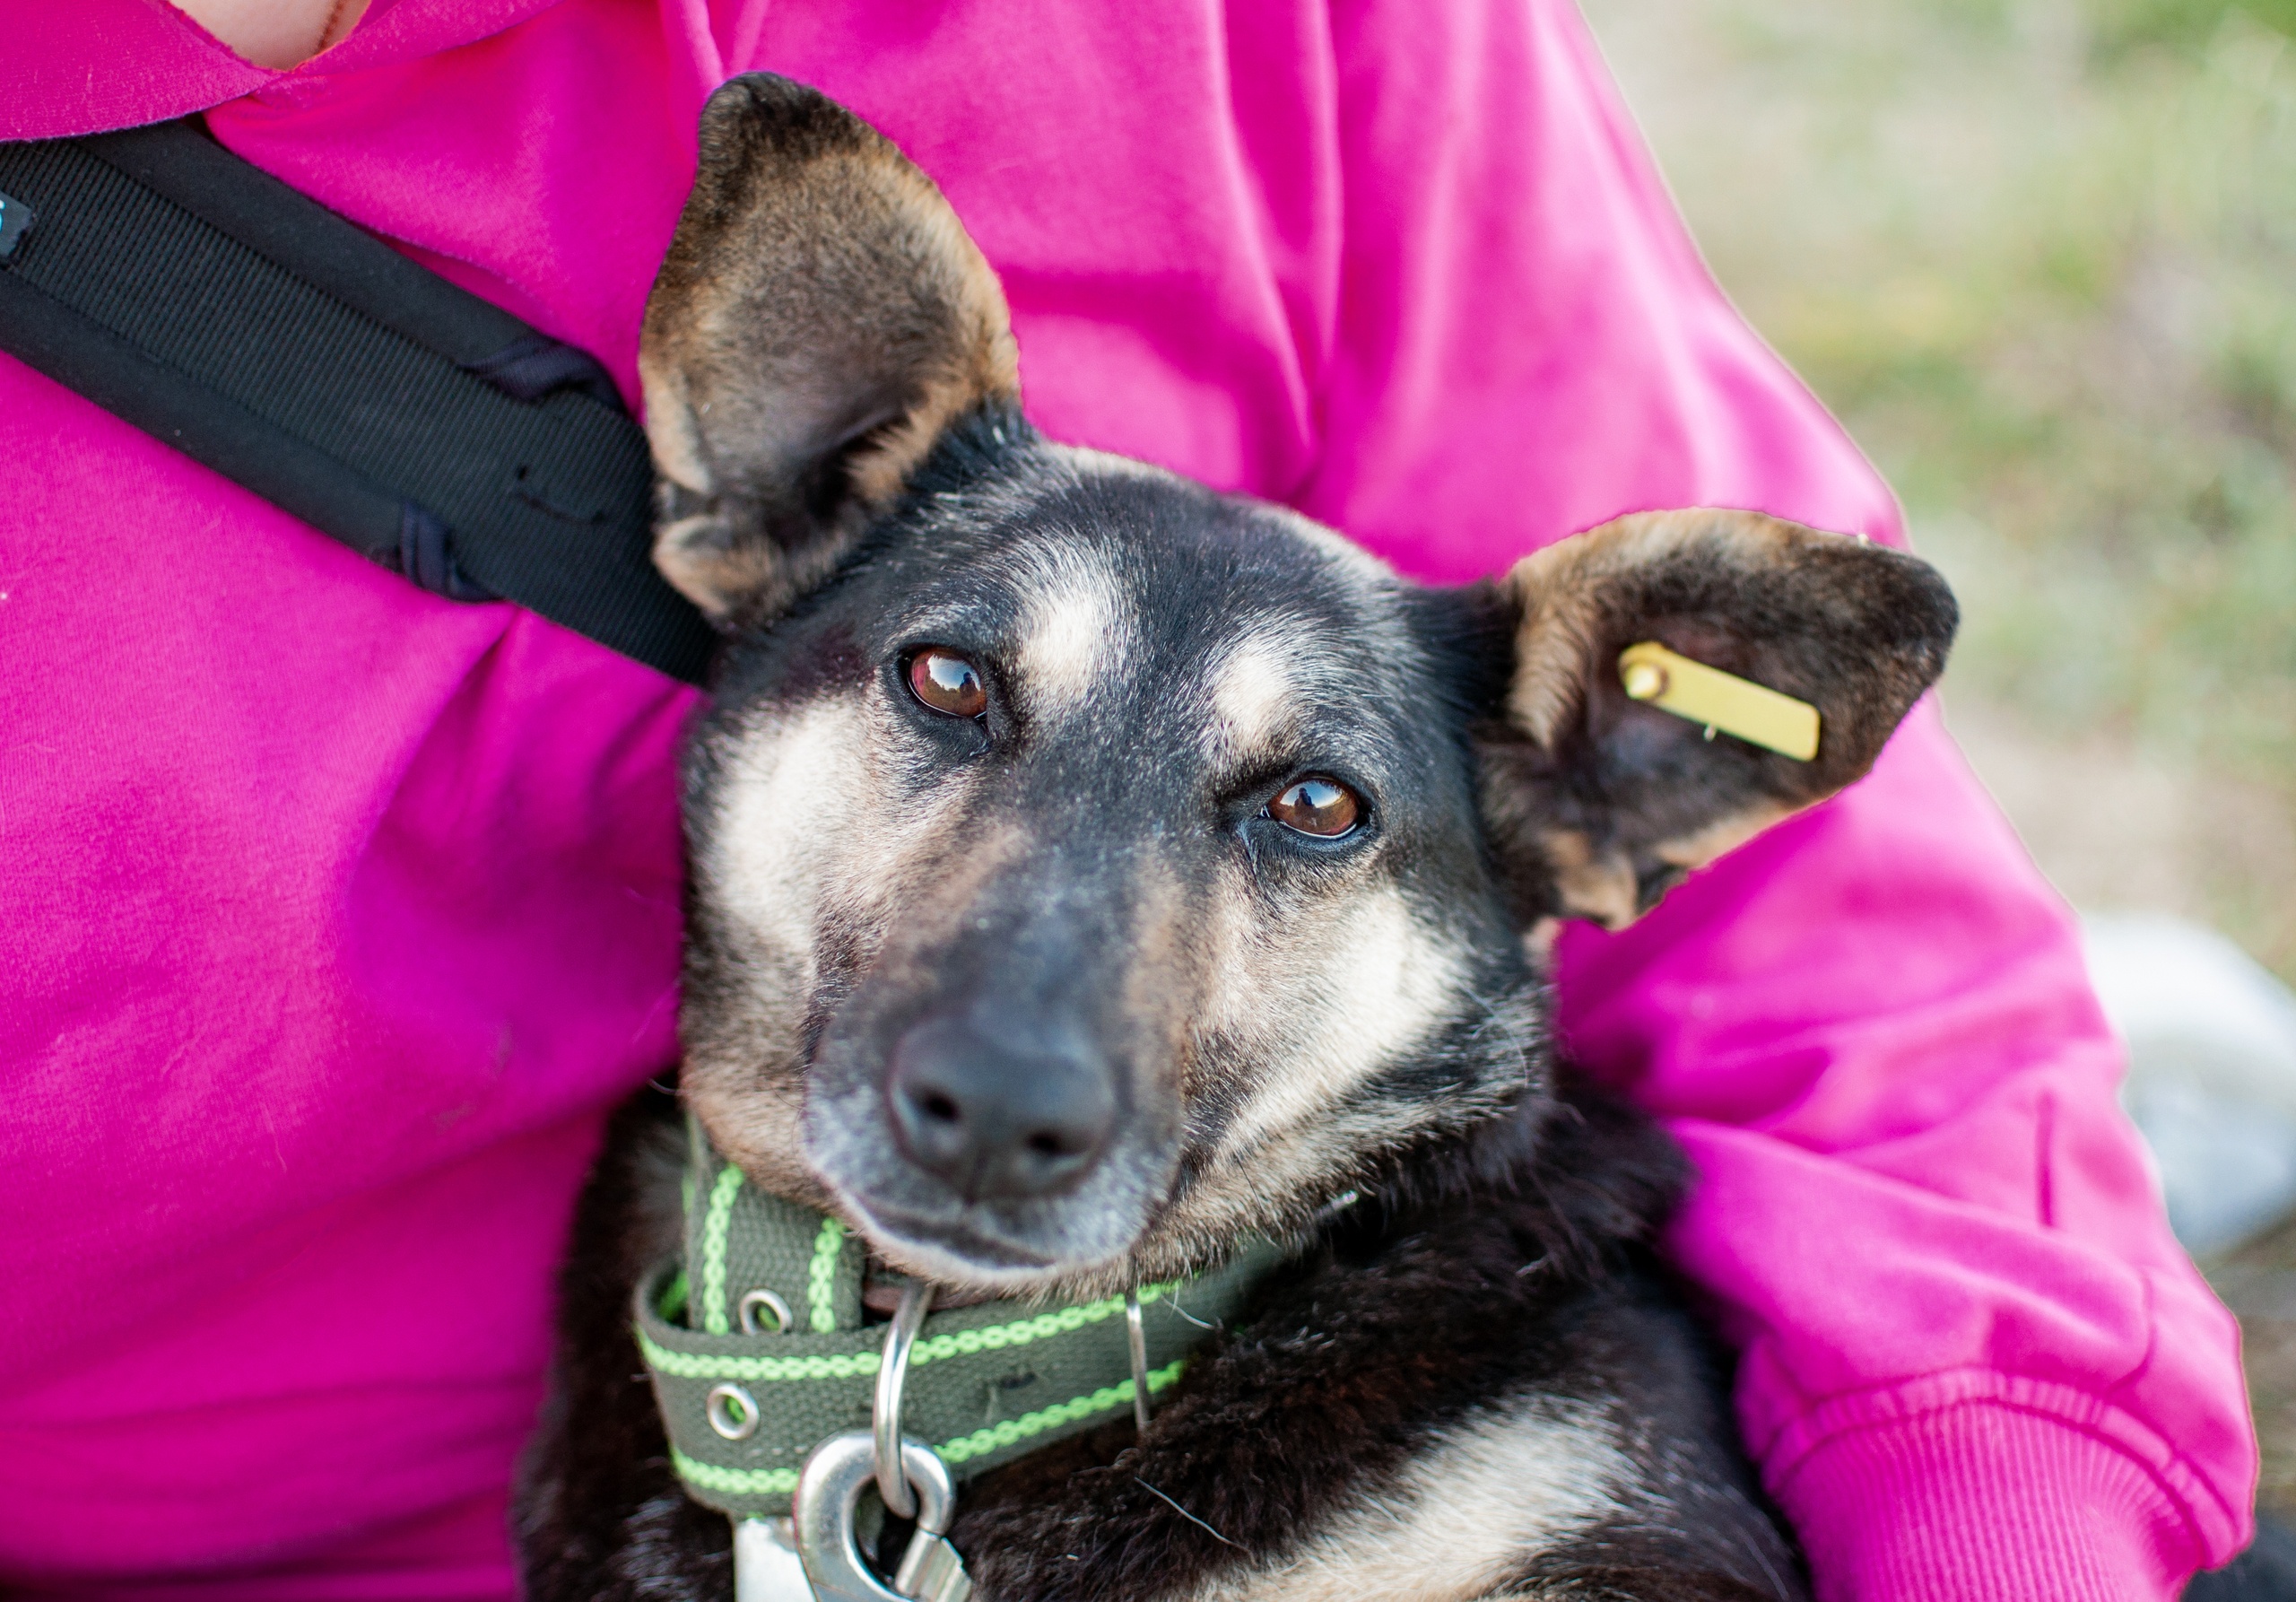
{"points": [[1182, 1512]]}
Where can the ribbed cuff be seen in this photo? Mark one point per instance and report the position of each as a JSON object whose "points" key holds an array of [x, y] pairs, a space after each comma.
{"points": [[1984, 1501]]}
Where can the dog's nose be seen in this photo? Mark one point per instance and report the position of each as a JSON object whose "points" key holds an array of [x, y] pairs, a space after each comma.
{"points": [[998, 1118]]}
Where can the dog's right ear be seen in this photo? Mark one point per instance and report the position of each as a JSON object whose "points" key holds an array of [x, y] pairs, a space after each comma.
{"points": [[821, 319]]}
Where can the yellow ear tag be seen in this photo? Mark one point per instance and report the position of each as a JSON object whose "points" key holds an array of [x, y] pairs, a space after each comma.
{"points": [[1649, 672]]}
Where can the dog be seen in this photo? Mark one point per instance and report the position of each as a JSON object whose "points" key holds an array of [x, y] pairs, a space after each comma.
{"points": [[1091, 872]]}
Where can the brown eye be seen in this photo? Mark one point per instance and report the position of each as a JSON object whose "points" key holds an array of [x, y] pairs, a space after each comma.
{"points": [[1317, 806], [947, 683]]}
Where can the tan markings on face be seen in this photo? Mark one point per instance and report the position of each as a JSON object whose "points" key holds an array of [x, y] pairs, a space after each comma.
{"points": [[1160, 980], [1254, 696], [796, 782], [1077, 629], [1278, 1187], [754, 1126], [812, 831], [1353, 989], [792, 781], [1300, 1021], [1472, 1506], [918, 887]]}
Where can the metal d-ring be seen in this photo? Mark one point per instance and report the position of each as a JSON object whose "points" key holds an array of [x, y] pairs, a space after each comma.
{"points": [[1135, 1336], [766, 1302], [828, 1488], [900, 1334]]}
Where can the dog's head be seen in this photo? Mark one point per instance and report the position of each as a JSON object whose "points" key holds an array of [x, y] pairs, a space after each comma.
{"points": [[1089, 869]]}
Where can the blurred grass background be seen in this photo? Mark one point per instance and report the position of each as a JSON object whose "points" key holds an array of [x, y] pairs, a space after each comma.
{"points": [[2039, 256]]}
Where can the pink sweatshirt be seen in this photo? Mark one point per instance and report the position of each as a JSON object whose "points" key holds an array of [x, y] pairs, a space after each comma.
{"points": [[333, 915]]}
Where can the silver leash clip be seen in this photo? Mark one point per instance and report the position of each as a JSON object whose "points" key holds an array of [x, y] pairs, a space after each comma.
{"points": [[829, 1486], [814, 1555]]}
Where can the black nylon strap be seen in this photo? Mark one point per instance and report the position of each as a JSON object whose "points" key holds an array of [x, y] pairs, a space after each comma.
{"points": [[214, 308]]}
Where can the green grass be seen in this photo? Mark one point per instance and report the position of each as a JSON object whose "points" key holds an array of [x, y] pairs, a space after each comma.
{"points": [[2041, 259]]}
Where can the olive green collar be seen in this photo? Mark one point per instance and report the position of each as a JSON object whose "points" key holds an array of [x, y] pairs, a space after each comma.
{"points": [[758, 1350]]}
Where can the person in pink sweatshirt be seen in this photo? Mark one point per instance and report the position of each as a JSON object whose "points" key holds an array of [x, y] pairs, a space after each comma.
{"points": [[336, 914]]}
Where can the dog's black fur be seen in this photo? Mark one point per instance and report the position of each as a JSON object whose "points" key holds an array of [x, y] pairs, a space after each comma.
{"points": [[1475, 1379], [1519, 1261]]}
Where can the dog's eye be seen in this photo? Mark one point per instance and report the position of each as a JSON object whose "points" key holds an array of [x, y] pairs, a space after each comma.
{"points": [[947, 683], [1317, 806]]}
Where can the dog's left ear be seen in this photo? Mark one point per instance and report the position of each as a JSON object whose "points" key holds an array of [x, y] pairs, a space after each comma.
{"points": [[821, 319], [1597, 802]]}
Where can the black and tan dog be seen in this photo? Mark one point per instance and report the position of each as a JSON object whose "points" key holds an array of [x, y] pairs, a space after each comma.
{"points": [[1091, 871]]}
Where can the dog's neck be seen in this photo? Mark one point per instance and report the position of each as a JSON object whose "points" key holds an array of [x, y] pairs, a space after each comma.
{"points": [[762, 1345]]}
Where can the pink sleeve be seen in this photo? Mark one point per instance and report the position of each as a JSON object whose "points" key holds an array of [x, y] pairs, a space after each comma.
{"points": [[1975, 1361]]}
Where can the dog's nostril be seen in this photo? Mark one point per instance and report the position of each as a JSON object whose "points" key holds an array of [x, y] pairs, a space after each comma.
{"points": [[995, 1119]]}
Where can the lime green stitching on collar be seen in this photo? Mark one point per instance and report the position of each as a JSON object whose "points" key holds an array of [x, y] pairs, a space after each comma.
{"points": [[964, 1343], [856, 1365], [820, 1276], [1010, 1431], [861, 1366], [733, 1481], [714, 1318]]}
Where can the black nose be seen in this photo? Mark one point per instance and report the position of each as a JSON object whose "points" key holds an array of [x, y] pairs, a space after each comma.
{"points": [[1000, 1117]]}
